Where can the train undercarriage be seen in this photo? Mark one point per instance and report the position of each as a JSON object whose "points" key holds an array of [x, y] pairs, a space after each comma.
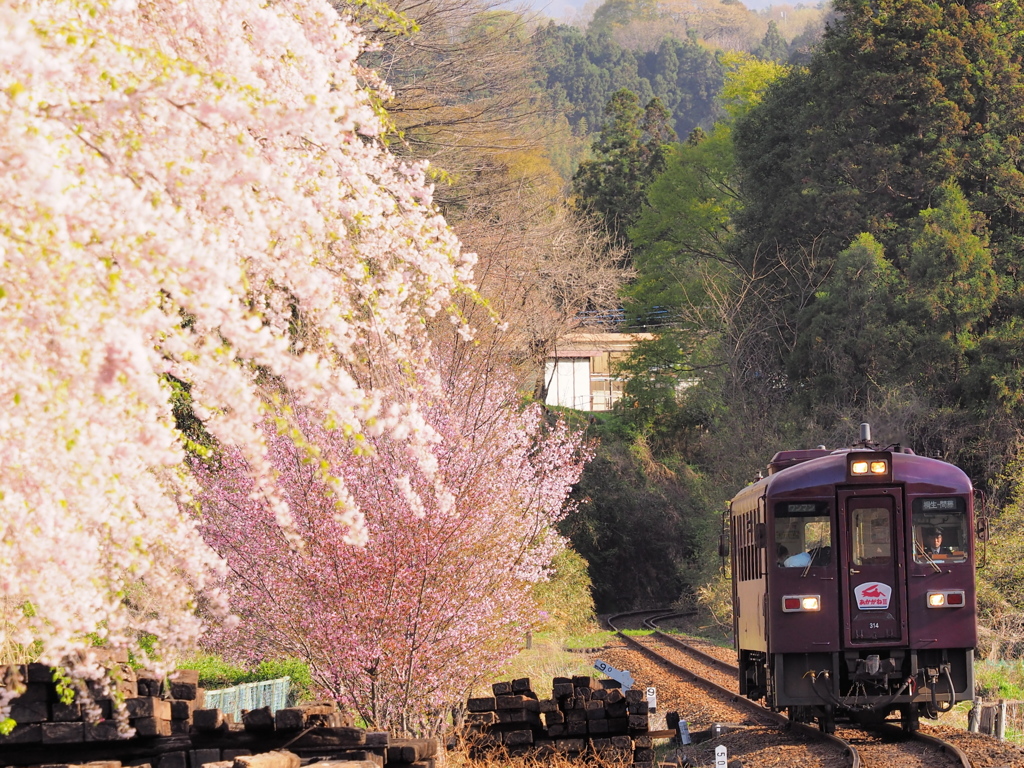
{"points": [[862, 686]]}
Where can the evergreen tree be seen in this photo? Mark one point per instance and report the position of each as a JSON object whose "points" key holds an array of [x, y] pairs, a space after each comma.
{"points": [[687, 76], [853, 339], [628, 154], [952, 287], [773, 47]]}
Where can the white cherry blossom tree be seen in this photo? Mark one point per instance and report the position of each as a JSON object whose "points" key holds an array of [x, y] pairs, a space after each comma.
{"points": [[194, 204]]}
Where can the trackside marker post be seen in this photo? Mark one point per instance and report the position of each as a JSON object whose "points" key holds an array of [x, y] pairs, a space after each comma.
{"points": [[652, 698], [621, 675], [721, 756]]}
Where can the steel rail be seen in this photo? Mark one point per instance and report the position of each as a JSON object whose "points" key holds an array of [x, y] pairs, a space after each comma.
{"points": [[934, 741], [925, 738], [707, 658], [734, 698]]}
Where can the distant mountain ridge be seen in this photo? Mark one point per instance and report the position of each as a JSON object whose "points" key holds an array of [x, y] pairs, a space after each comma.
{"points": [[571, 10]]}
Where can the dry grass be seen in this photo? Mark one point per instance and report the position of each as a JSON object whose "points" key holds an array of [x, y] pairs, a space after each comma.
{"points": [[546, 658]]}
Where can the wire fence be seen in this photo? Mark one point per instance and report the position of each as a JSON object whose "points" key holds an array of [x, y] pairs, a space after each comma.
{"points": [[248, 696]]}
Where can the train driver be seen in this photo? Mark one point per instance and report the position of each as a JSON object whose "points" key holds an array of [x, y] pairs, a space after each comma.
{"points": [[782, 553], [933, 542]]}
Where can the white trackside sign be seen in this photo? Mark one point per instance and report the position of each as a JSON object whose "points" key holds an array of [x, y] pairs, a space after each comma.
{"points": [[621, 675]]}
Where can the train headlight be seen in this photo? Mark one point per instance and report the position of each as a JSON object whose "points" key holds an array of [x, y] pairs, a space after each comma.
{"points": [[869, 466], [947, 598], [800, 603]]}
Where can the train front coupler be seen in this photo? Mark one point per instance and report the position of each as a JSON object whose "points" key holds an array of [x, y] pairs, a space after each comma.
{"points": [[873, 670]]}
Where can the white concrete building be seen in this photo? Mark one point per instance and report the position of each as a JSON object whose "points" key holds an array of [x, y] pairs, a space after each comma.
{"points": [[579, 372]]}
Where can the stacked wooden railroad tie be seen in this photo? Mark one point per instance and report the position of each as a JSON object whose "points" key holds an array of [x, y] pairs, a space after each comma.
{"points": [[46, 716], [308, 731], [173, 730], [582, 715]]}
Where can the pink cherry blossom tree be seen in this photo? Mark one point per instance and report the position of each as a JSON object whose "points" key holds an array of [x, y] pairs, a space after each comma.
{"points": [[193, 197], [439, 595]]}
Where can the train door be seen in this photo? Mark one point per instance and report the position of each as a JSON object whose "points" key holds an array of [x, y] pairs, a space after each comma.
{"points": [[872, 568]]}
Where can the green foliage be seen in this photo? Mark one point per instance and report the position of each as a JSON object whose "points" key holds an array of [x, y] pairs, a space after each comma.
{"points": [[653, 372], [685, 272], [853, 339], [686, 76], [999, 680], [682, 237], [874, 257], [642, 522], [215, 671], [565, 600], [65, 686], [952, 287], [745, 83]]}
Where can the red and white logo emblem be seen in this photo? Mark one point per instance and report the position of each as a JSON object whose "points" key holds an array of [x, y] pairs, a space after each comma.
{"points": [[872, 596]]}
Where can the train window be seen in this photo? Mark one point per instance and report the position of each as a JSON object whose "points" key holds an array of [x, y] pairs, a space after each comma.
{"points": [[940, 530], [871, 536], [750, 552], [803, 534]]}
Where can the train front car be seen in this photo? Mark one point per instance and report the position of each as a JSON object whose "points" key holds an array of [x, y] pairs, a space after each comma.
{"points": [[846, 603]]}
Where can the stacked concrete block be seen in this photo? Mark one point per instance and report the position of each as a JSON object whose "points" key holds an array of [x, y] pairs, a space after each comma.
{"points": [[583, 715]]}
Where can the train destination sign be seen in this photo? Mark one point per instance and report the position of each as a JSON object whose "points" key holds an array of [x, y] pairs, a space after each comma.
{"points": [[621, 675]]}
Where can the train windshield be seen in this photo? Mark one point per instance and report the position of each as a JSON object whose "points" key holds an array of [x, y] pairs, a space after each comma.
{"points": [[940, 530], [803, 534]]}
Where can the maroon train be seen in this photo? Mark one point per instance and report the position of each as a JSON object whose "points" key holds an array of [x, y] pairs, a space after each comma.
{"points": [[845, 602]]}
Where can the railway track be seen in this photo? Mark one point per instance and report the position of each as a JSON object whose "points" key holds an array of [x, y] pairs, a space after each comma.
{"points": [[881, 747]]}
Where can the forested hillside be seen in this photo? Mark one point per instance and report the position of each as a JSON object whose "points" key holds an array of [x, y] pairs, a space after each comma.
{"points": [[659, 50], [845, 245]]}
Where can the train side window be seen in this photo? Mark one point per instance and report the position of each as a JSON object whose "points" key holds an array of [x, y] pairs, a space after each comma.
{"points": [[940, 530], [803, 534], [871, 536]]}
